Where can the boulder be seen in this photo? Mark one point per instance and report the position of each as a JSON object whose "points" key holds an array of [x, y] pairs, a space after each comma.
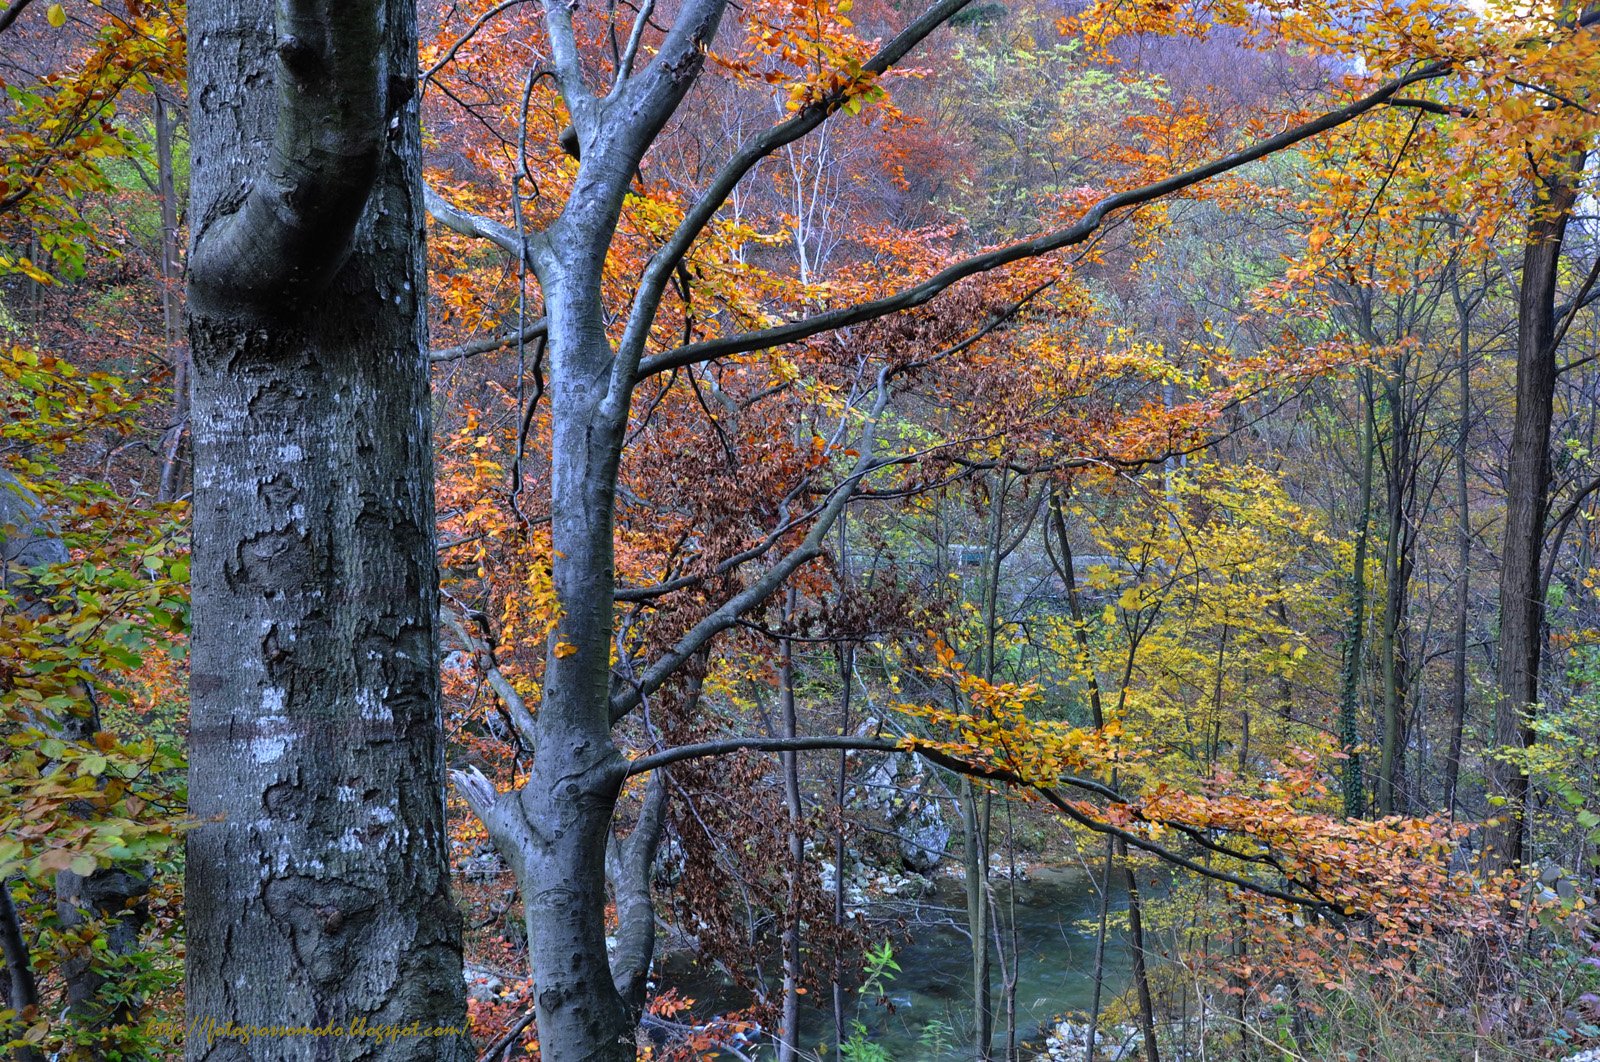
{"points": [[923, 837]]}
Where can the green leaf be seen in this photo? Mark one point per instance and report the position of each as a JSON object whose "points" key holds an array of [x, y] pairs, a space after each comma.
{"points": [[57, 15]]}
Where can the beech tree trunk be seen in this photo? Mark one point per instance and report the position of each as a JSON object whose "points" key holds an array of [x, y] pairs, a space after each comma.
{"points": [[317, 886]]}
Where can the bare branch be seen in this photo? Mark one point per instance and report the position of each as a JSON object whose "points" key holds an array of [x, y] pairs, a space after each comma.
{"points": [[497, 1049], [537, 330], [659, 270], [1076, 233], [476, 226], [472, 31], [995, 774], [9, 15], [564, 59], [479, 793], [764, 586], [631, 51], [1448, 110], [483, 652]]}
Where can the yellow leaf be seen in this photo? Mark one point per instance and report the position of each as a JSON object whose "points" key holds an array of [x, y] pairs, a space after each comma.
{"points": [[57, 15]]}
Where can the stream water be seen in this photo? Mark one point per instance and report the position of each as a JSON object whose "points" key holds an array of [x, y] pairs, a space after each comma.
{"points": [[1055, 937]]}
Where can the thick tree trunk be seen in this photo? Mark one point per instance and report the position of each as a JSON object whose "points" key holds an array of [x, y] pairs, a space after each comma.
{"points": [[1527, 478], [317, 885]]}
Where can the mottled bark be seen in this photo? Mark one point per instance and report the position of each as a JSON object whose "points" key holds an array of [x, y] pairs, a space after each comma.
{"points": [[318, 883]]}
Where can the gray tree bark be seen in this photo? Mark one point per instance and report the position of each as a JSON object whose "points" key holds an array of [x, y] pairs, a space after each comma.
{"points": [[318, 883]]}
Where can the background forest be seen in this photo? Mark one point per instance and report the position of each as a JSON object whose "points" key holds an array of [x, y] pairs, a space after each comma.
{"points": [[1177, 639]]}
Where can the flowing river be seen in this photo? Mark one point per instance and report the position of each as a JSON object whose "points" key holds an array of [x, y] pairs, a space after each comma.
{"points": [[1056, 911]]}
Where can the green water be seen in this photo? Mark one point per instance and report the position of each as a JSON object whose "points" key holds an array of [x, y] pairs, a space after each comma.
{"points": [[1055, 914]]}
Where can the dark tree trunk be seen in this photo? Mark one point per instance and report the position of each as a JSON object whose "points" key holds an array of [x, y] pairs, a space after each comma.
{"points": [[1458, 656], [1355, 802], [21, 989], [1527, 478], [318, 883], [1141, 977], [1397, 565]]}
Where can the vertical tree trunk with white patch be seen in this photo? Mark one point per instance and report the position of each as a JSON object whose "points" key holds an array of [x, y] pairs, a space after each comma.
{"points": [[318, 881]]}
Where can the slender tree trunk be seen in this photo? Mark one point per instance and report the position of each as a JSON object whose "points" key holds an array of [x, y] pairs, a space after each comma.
{"points": [[847, 657], [170, 271], [1100, 949], [975, 818], [788, 1043], [1527, 498], [1397, 566], [977, 865], [847, 668], [317, 883], [1391, 752], [1069, 579], [1350, 697], [1458, 662], [1141, 977]]}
